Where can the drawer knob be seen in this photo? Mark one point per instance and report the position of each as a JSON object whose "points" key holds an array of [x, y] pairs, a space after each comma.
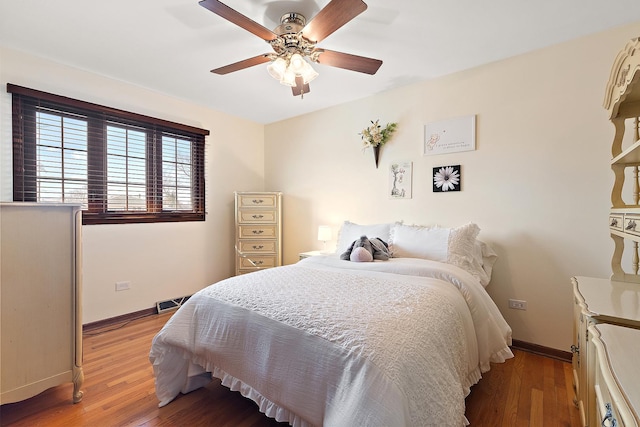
{"points": [[257, 201], [631, 225], [575, 349], [258, 231], [257, 247], [608, 420], [614, 222], [258, 216]]}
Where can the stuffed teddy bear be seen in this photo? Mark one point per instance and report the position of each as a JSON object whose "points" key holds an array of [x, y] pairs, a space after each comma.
{"points": [[366, 250]]}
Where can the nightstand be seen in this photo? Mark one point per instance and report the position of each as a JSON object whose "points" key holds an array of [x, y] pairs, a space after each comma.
{"points": [[303, 255]]}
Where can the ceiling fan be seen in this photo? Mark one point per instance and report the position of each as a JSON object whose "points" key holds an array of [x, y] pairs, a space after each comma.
{"points": [[294, 43]]}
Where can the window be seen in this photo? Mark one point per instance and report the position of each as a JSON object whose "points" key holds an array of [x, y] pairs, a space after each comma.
{"points": [[122, 167]]}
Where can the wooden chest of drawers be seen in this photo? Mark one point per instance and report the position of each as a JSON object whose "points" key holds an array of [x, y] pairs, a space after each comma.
{"points": [[258, 241]]}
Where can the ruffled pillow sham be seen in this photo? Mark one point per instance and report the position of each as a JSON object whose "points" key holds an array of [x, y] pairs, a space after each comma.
{"points": [[457, 246]]}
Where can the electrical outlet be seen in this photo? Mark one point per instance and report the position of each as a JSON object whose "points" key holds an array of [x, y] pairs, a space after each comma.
{"points": [[123, 286], [517, 304]]}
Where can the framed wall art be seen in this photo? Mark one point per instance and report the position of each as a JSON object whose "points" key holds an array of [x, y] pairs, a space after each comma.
{"points": [[446, 178], [450, 136], [400, 180]]}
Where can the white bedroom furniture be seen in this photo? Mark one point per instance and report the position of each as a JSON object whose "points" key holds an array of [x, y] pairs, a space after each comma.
{"points": [[600, 303], [303, 255], [258, 240], [622, 100], [40, 288], [616, 377], [606, 311]]}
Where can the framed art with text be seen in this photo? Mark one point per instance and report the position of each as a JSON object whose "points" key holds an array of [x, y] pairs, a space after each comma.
{"points": [[450, 136]]}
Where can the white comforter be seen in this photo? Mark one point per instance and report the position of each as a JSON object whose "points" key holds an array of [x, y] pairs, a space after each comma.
{"points": [[337, 343]]}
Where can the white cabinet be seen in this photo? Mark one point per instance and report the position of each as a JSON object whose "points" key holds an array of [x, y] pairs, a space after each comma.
{"points": [[258, 225], [40, 298], [303, 255], [601, 303], [622, 100], [605, 379], [616, 376]]}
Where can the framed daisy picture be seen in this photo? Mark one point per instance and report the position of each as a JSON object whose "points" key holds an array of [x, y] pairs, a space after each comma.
{"points": [[446, 178]]}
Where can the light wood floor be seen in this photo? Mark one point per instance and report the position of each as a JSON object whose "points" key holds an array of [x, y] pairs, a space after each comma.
{"points": [[528, 390]]}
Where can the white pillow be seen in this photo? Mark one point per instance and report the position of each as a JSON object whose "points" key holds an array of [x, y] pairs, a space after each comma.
{"points": [[462, 248], [350, 232], [457, 246], [483, 259], [410, 241]]}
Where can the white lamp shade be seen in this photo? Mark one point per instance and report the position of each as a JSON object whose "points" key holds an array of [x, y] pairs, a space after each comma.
{"points": [[277, 68], [286, 71], [288, 78], [308, 73], [297, 63], [324, 233]]}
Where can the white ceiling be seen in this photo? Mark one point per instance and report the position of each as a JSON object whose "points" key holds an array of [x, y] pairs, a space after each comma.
{"points": [[171, 45]]}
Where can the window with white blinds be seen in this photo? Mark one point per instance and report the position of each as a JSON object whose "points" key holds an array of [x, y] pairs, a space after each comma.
{"points": [[122, 167]]}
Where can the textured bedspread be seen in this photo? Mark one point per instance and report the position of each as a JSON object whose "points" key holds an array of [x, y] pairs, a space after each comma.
{"points": [[329, 342]]}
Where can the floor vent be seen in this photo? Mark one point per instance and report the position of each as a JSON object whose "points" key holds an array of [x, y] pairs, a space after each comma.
{"points": [[172, 304]]}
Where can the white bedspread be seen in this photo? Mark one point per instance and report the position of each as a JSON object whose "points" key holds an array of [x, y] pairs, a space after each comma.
{"points": [[336, 343]]}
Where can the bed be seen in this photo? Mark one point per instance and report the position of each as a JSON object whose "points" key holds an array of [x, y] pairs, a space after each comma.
{"points": [[339, 343]]}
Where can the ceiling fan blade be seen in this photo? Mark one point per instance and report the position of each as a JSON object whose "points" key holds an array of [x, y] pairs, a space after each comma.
{"points": [[349, 62], [300, 88], [239, 19], [241, 65], [333, 16]]}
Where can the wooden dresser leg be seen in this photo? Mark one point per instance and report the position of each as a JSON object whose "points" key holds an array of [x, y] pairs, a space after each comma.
{"points": [[78, 380]]}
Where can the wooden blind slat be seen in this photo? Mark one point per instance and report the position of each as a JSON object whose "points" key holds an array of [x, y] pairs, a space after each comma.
{"points": [[109, 111], [109, 160]]}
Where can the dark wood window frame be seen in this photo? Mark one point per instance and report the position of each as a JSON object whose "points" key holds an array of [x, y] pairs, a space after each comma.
{"points": [[25, 103]]}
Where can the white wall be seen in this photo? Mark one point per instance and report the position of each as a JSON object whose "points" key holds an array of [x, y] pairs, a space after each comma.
{"points": [[164, 260], [538, 184]]}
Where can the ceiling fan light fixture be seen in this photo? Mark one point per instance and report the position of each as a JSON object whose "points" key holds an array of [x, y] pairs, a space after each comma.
{"points": [[308, 73], [288, 77], [294, 43], [277, 68], [297, 63]]}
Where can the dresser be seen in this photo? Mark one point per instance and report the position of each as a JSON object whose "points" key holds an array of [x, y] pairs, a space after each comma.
{"points": [[258, 223], [40, 297], [616, 375], [602, 303], [622, 101], [606, 338]]}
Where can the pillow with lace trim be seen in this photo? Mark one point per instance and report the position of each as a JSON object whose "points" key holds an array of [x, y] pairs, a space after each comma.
{"points": [[457, 246]]}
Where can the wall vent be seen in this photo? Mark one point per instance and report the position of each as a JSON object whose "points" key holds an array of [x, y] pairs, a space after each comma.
{"points": [[172, 304]]}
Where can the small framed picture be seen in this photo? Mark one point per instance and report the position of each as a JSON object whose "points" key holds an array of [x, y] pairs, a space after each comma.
{"points": [[400, 180], [446, 178]]}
